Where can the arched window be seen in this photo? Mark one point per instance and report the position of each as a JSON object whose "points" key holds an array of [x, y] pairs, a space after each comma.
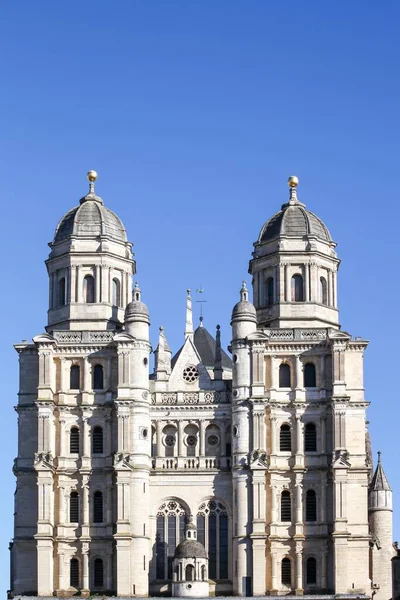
{"points": [[311, 571], [97, 507], [286, 571], [309, 375], [269, 291], [170, 531], [61, 291], [74, 440], [88, 289], [75, 377], [212, 532], [284, 375], [98, 573], [297, 288], [311, 506], [203, 573], [98, 377], [285, 438], [97, 440], [310, 438], [116, 292], [74, 573], [286, 506], [323, 291], [74, 507], [189, 573]]}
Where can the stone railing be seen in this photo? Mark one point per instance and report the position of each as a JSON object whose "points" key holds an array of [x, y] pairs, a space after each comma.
{"points": [[174, 398], [191, 463], [307, 335], [84, 337]]}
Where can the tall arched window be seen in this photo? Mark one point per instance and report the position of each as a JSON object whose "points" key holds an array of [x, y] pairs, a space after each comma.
{"points": [[323, 291], [74, 440], [116, 292], [98, 573], [310, 438], [189, 573], [75, 377], [269, 291], [88, 289], [309, 375], [212, 532], [74, 507], [98, 377], [97, 440], [285, 438], [97, 507], [170, 526], [297, 288], [286, 506], [61, 291], [74, 573], [311, 571], [311, 506], [286, 571], [284, 375]]}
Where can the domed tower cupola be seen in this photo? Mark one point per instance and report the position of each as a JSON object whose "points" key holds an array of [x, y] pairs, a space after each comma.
{"points": [[90, 267], [294, 269]]}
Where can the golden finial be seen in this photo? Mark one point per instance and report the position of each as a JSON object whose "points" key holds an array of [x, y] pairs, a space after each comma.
{"points": [[293, 181], [92, 176]]}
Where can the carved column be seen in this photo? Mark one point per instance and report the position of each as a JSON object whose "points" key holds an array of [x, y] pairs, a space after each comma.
{"points": [[299, 500], [97, 269], [273, 373], [159, 427], [273, 571], [281, 282], [222, 427], [307, 283], [299, 568], [87, 369], [85, 568], [62, 437], [299, 373], [104, 282], [181, 446], [330, 288], [85, 501], [61, 505], [72, 286], [273, 434], [313, 282], [334, 282], [109, 505], [51, 288], [299, 435], [274, 504], [78, 290], [108, 448], [202, 437], [109, 571], [86, 434], [288, 287]]}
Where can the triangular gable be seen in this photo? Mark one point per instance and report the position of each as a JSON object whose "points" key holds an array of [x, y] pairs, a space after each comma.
{"points": [[186, 357]]}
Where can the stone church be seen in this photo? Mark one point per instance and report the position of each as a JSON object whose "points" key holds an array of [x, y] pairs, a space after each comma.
{"points": [[246, 472]]}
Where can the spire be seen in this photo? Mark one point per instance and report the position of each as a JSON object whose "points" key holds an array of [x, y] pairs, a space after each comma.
{"points": [[92, 176], [189, 317], [293, 182], [244, 292], [218, 355], [379, 481], [162, 353], [136, 293]]}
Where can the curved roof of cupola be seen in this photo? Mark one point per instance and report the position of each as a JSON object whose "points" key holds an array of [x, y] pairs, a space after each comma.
{"points": [[294, 220], [90, 219]]}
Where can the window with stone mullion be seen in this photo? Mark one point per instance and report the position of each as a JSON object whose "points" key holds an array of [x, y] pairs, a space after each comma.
{"points": [[170, 532], [212, 532]]}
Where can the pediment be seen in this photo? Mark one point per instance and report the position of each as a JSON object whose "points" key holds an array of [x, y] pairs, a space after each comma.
{"points": [[259, 460], [258, 336], [123, 336], [340, 460], [189, 357]]}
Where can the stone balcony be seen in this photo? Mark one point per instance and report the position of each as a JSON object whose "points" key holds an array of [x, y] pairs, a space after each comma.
{"points": [[191, 463]]}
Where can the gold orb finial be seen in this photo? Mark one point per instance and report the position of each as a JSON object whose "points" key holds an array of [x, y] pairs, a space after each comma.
{"points": [[293, 181], [92, 176]]}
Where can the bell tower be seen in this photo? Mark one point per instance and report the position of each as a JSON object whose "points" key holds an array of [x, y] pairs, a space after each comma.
{"points": [[294, 269], [90, 268]]}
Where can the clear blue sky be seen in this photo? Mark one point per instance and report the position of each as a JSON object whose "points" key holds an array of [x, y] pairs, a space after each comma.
{"points": [[194, 113]]}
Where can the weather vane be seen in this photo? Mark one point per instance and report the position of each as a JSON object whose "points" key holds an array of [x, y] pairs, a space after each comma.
{"points": [[200, 290]]}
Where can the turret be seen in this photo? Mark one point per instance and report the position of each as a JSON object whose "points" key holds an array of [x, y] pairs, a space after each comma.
{"points": [[244, 317], [294, 269], [90, 267], [381, 527]]}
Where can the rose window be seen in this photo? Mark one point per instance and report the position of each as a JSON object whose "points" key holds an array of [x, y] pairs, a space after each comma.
{"points": [[190, 374], [169, 440], [191, 440], [213, 440]]}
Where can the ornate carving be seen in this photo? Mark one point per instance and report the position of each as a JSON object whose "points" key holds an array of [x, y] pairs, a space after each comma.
{"points": [[191, 398], [169, 398]]}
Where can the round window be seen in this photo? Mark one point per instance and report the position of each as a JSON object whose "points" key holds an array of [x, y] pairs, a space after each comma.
{"points": [[170, 440], [145, 432], [213, 440], [191, 440], [190, 374]]}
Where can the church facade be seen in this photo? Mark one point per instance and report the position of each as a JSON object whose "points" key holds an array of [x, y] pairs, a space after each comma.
{"points": [[265, 452]]}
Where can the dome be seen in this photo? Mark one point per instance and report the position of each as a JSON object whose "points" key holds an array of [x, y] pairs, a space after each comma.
{"points": [[190, 549], [90, 219], [136, 309], [244, 310], [293, 220]]}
